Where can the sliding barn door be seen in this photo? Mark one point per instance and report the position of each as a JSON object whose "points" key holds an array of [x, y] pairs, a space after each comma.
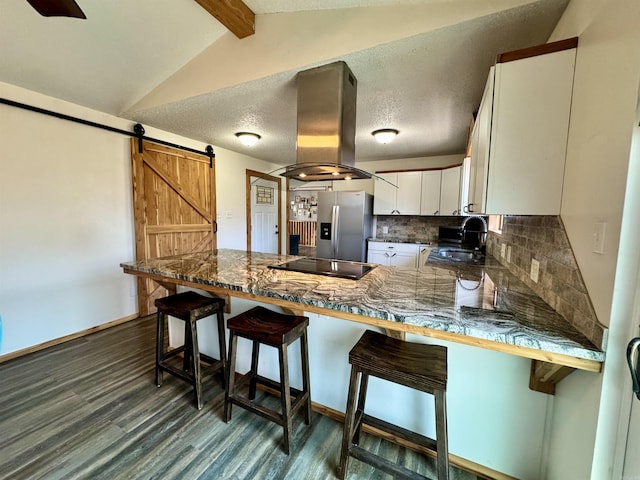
{"points": [[174, 208]]}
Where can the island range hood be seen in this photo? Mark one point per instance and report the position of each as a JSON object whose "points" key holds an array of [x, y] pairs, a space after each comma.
{"points": [[325, 143]]}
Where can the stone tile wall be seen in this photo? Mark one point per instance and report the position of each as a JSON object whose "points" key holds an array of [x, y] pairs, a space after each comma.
{"points": [[560, 283]]}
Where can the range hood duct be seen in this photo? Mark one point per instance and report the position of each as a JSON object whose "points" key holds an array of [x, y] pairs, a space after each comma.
{"points": [[325, 144]]}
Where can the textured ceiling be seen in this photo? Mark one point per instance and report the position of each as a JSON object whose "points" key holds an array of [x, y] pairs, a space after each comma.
{"points": [[426, 83]]}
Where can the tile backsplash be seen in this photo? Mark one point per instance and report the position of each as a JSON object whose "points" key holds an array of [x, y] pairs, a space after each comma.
{"points": [[560, 283], [412, 228]]}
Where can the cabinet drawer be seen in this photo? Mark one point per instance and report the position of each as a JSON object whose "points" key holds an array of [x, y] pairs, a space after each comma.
{"points": [[393, 247]]}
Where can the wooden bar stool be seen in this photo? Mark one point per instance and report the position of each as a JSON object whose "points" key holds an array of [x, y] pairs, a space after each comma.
{"points": [[419, 366], [190, 307], [263, 326]]}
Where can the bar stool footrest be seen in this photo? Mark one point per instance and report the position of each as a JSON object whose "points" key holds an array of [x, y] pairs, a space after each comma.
{"points": [[173, 352], [214, 366], [299, 397], [257, 409], [398, 471], [396, 431]]}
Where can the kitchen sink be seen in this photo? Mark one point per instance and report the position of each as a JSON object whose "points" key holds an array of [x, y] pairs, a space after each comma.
{"points": [[457, 255]]}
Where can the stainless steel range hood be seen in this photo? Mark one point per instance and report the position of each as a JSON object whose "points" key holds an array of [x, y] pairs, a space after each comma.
{"points": [[325, 147]]}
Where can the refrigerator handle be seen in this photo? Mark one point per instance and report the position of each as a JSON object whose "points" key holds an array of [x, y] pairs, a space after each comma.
{"points": [[335, 227], [632, 360]]}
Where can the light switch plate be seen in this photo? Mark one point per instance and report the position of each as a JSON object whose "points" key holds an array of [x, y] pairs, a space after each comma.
{"points": [[599, 232], [535, 270]]}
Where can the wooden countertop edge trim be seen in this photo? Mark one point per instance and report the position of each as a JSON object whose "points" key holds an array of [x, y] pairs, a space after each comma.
{"points": [[531, 353]]}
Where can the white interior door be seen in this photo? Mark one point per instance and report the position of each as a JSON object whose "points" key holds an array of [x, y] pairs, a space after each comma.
{"points": [[264, 215]]}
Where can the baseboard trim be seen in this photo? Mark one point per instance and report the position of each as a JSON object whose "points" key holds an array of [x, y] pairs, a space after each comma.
{"points": [[66, 338]]}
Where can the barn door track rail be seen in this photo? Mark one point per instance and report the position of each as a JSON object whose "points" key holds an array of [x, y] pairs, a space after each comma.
{"points": [[138, 130]]}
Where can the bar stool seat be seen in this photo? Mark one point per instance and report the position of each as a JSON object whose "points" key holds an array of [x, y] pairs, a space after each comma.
{"points": [[419, 366], [278, 330], [190, 307]]}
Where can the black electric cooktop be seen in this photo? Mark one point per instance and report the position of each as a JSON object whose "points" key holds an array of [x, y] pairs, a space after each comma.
{"points": [[323, 266]]}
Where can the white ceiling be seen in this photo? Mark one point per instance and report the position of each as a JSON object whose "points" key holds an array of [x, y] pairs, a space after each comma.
{"points": [[169, 64]]}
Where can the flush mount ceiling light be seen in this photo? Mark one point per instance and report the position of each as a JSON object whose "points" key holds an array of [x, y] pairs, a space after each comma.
{"points": [[247, 138], [384, 135]]}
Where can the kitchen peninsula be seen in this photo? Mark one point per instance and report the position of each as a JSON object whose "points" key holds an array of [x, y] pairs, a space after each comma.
{"points": [[497, 330], [504, 315]]}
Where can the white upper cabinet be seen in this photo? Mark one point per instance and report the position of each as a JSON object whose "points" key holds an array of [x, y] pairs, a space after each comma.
{"points": [[479, 160], [450, 191], [404, 200], [430, 196], [520, 134], [441, 192]]}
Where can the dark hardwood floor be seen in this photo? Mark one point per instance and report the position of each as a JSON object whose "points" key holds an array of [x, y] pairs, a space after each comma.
{"points": [[89, 409]]}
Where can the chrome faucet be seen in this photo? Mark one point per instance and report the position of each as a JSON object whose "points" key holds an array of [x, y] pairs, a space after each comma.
{"points": [[481, 239]]}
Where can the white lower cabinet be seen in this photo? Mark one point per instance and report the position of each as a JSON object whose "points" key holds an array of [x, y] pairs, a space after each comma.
{"points": [[394, 254]]}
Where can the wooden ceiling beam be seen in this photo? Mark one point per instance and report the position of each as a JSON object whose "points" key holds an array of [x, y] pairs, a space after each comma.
{"points": [[233, 14]]}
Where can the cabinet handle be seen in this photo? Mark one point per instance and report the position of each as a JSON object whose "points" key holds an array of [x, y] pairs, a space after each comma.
{"points": [[455, 212], [471, 208], [436, 212], [394, 254], [391, 248]]}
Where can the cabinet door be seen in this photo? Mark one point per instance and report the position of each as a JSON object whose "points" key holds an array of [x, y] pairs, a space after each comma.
{"points": [[532, 103], [403, 259], [450, 191], [384, 194], [430, 192], [423, 254], [479, 162], [377, 256], [408, 193]]}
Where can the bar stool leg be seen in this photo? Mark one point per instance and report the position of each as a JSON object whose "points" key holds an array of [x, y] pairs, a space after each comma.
{"points": [[231, 374], [285, 394], [255, 353], [195, 361], [441, 435], [306, 387], [159, 346], [349, 417], [186, 354], [222, 346], [362, 397]]}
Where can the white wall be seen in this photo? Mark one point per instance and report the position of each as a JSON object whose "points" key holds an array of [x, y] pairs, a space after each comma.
{"points": [[607, 76], [66, 218]]}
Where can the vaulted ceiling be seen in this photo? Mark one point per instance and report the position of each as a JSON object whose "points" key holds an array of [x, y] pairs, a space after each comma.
{"points": [[421, 65]]}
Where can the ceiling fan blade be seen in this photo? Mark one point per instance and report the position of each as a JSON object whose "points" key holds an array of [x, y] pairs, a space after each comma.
{"points": [[57, 8]]}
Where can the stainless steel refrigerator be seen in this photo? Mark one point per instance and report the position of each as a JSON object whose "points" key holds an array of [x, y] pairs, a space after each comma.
{"points": [[345, 222]]}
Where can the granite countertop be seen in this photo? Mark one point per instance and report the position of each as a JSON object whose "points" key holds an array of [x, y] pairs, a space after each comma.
{"points": [[480, 301]]}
